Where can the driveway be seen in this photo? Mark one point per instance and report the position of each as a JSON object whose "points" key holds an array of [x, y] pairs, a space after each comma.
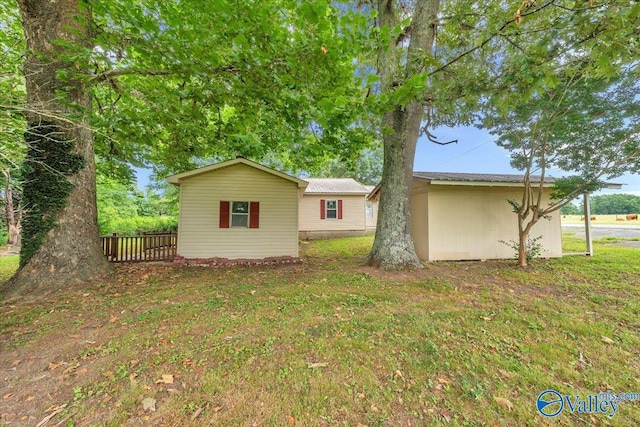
{"points": [[600, 231]]}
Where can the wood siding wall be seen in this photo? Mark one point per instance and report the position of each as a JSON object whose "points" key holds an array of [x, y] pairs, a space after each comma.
{"points": [[200, 235], [353, 213], [466, 223]]}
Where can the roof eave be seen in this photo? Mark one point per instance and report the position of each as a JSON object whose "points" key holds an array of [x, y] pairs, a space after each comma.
{"points": [[178, 178]]}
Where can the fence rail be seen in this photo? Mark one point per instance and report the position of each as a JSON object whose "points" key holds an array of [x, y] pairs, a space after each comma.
{"points": [[145, 247]]}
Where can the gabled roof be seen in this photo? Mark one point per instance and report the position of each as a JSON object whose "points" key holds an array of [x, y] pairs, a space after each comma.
{"points": [[480, 179], [477, 177], [177, 179], [335, 186]]}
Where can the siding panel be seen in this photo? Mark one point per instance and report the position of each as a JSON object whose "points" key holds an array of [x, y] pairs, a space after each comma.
{"points": [[468, 223], [199, 233], [353, 213]]}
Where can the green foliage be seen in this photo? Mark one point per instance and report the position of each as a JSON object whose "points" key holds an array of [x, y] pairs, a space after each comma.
{"points": [[570, 209], [614, 204], [125, 210], [258, 79], [366, 168], [48, 163], [534, 247], [12, 87], [132, 226]]}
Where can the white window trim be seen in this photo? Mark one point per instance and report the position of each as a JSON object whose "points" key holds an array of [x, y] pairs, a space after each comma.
{"points": [[326, 209], [368, 210], [231, 214]]}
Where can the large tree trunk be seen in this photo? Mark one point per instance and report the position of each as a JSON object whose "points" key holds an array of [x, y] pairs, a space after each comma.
{"points": [[393, 245], [60, 240]]}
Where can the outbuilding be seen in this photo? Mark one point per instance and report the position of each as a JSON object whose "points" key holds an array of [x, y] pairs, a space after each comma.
{"points": [[334, 207], [237, 210], [464, 216]]}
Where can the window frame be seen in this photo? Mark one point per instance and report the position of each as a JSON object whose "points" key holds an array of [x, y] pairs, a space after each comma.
{"points": [[368, 210], [334, 209], [239, 214]]}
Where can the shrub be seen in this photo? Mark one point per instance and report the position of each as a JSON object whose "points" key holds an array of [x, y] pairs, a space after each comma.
{"points": [[138, 225]]}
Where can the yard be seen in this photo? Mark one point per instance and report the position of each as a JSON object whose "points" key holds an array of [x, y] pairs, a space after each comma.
{"points": [[326, 342]]}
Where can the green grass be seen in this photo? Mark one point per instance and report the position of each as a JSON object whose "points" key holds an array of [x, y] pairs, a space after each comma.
{"points": [[329, 342], [8, 265]]}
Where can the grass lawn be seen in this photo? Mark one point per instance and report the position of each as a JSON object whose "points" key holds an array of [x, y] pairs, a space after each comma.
{"points": [[327, 342]]}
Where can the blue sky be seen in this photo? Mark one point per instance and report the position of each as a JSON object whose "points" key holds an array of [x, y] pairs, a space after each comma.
{"points": [[475, 152]]}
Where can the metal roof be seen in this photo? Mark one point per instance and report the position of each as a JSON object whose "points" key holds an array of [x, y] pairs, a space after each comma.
{"points": [[335, 185], [477, 177]]}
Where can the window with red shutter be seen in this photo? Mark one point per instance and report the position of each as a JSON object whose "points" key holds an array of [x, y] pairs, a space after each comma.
{"points": [[340, 209], [322, 209]]}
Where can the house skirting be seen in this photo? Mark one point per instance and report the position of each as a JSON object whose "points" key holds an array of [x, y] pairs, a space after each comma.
{"points": [[180, 261]]}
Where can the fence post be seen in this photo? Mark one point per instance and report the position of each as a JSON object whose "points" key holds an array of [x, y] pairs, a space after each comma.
{"points": [[114, 247]]}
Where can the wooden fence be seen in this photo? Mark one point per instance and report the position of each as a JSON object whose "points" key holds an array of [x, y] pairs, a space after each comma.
{"points": [[145, 247]]}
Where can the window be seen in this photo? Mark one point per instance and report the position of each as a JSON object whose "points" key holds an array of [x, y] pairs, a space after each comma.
{"points": [[332, 209], [240, 214], [369, 210]]}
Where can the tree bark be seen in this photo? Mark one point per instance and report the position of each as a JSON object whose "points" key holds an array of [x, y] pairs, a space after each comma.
{"points": [[70, 251], [393, 246]]}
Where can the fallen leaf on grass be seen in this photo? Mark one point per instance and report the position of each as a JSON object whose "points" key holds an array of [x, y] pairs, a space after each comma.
{"points": [[291, 420], [54, 411], [504, 403], [7, 396], [29, 398], [149, 404], [15, 362], [166, 379], [197, 413], [113, 319], [317, 365], [53, 366], [607, 340]]}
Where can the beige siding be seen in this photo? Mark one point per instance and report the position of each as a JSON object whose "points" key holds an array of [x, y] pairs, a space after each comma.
{"points": [[372, 222], [199, 233], [353, 215], [420, 217], [469, 222]]}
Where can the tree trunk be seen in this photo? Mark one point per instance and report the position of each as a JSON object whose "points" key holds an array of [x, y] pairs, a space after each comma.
{"points": [[60, 240], [523, 232], [13, 223], [393, 246]]}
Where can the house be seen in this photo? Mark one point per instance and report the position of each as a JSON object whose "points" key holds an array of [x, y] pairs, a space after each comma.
{"points": [[332, 207], [463, 216], [237, 210]]}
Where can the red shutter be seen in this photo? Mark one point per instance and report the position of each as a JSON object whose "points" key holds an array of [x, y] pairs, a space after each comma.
{"points": [[254, 214], [339, 209], [322, 209], [224, 214]]}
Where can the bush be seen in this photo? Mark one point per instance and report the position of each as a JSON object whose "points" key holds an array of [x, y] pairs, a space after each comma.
{"points": [[138, 225]]}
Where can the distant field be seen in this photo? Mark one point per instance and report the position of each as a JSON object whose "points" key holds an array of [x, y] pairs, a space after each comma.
{"points": [[600, 219]]}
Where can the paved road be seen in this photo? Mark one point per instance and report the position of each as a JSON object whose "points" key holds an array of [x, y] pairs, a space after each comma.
{"points": [[600, 231]]}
